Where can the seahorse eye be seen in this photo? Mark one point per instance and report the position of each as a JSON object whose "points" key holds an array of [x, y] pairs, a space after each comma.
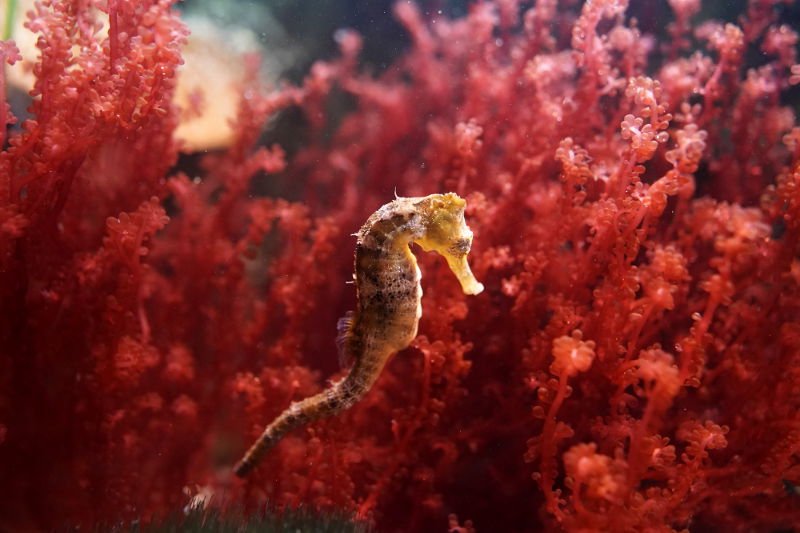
{"points": [[462, 246]]}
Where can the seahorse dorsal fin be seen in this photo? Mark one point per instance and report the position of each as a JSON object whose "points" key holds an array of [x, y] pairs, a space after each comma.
{"points": [[344, 328]]}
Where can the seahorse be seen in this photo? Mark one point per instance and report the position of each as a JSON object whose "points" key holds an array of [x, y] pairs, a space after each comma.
{"points": [[389, 307]]}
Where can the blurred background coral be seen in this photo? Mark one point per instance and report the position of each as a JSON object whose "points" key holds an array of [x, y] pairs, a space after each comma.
{"points": [[176, 214]]}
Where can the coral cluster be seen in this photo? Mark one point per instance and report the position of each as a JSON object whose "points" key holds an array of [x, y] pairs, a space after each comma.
{"points": [[635, 196]]}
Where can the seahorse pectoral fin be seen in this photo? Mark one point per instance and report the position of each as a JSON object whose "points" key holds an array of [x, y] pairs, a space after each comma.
{"points": [[460, 267], [344, 328]]}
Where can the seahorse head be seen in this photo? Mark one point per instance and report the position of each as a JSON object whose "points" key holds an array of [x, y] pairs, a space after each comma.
{"points": [[446, 232]]}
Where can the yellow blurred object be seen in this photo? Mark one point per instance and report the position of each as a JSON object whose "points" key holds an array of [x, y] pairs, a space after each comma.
{"points": [[208, 86]]}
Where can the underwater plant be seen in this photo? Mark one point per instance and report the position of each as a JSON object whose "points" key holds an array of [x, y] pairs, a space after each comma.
{"points": [[634, 191]]}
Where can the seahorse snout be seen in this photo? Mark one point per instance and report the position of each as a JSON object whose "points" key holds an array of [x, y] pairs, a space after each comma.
{"points": [[460, 267]]}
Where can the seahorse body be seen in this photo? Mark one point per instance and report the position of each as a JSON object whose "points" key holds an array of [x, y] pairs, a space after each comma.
{"points": [[389, 302]]}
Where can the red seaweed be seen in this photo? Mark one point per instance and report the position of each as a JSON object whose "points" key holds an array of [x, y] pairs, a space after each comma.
{"points": [[631, 366]]}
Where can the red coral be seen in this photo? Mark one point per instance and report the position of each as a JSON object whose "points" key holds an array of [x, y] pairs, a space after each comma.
{"points": [[631, 366]]}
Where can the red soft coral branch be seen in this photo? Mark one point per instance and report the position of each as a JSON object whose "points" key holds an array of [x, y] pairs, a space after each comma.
{"points": [[607, 203]]}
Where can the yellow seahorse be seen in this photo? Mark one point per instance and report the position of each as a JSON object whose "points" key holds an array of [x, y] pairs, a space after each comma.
{"points": [[389, 302]]}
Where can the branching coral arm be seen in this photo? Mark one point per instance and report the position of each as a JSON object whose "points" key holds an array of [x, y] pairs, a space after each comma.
{"points": [[389, 302]]}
